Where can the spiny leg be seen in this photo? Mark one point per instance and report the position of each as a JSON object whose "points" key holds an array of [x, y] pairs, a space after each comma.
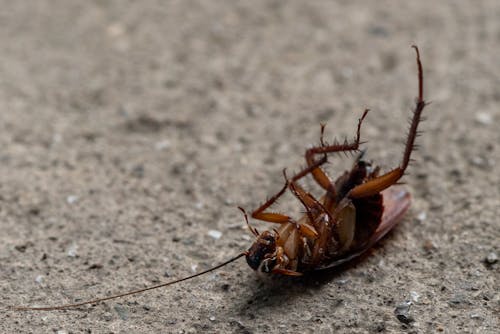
{"points": [[272, 217], [382, 182], [318, 174], [250, 227], [279, 218]]}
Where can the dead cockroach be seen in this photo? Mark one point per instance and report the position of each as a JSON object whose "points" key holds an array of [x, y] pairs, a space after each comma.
{"points": [[355, 212]]}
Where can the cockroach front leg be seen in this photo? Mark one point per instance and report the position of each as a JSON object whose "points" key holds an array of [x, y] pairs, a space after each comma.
{"points": [[273, 217], [380, 183], [282, 262]]}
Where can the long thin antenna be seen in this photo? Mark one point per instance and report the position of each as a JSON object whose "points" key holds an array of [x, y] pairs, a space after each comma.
{"points": [[99, 300]]}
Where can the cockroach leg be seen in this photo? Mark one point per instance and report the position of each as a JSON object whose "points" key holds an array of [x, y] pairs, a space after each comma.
{"points": [[380, 183], [279, 218], [305, 198], [318, 174], [250, 227], [271, 217], [313, 206], [322, 134]]}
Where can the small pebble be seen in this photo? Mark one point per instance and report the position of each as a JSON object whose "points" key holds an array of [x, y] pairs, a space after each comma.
{"points": [[162, 145], [61, 331], [422, 216], [72, 250], [414, 296], [194, 267], [429, 246], [458, 299], [484, 118], [491, 258], [122, 312], [138, 171], [475, 316], [402, 313], [478, 161], [236, 323], [56, 138], [341, 281], [215, 234], [212, 318], [39, 279], [71, 199]]}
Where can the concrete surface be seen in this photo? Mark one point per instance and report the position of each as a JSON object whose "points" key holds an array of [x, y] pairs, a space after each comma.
{"points": [[130, 129]]}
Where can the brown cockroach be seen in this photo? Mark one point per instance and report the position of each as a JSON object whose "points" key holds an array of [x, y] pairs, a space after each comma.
{"points": [[355, 212]]}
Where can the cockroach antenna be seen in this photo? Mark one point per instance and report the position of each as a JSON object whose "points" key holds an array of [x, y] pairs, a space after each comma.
{"points": [[134, 292]]}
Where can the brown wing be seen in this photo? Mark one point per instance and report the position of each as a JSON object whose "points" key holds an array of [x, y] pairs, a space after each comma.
{"points": [[396, 202], [369, 212]]}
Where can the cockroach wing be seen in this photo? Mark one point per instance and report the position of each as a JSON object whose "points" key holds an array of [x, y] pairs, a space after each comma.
{"points": [[396, 202]]}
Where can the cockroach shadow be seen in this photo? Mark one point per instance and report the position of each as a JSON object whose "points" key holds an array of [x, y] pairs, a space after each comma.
{"points": [[278, 290]]}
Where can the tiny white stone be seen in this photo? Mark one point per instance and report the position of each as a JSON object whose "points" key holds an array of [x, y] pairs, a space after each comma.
{"points": [[414, 296], [484, 118], [56, 138], [199, 205], [61, 331], [72, 250], [215, 234], [478, 161], [212, 318], [39, 279], [194, 267], [162, 145], [422, 216], [71, 199], [492, 258]]}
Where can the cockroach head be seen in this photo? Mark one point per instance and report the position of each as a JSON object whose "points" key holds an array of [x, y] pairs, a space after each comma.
{"points": [[262, 255]]}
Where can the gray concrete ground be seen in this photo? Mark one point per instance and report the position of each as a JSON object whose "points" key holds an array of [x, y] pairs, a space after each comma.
{"points": [[129, 130]]}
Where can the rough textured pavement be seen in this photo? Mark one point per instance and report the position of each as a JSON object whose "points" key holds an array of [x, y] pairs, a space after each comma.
{"points": [[130, 130]]}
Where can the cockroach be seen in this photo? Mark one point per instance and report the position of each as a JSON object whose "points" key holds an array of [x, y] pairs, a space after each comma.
{"points": [[356, 211]]}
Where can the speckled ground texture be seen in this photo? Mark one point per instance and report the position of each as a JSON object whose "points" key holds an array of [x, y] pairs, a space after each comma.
{"points": [[129, 130]]}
